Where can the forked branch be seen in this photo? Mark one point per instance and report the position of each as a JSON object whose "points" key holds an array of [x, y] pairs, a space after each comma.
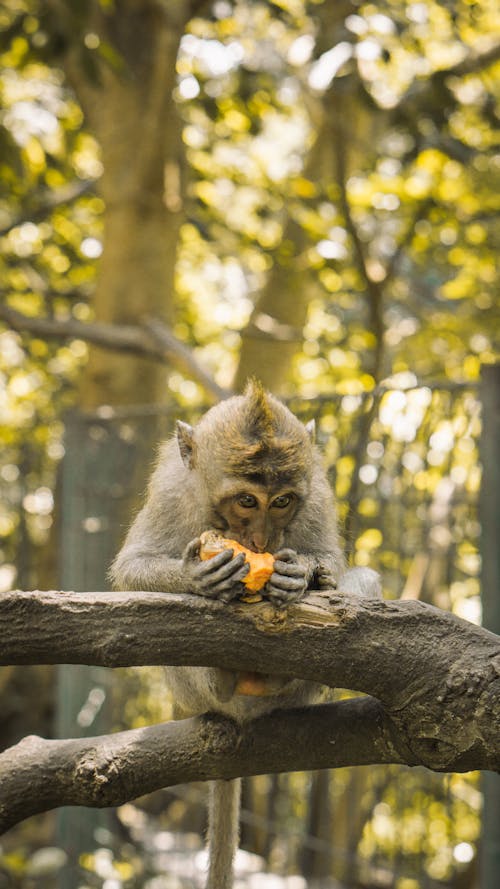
{"points": [[435, 680]]}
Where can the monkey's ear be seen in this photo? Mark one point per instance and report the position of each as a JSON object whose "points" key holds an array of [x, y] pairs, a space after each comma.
{"points": [[184, 433], [311, 430]]}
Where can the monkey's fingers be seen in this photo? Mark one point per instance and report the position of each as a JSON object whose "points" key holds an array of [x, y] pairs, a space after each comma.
{"points": [[227, 589], [285, 555], [233, 592], [281, 597], [192, 550], [283, 583], [233, 584], [289, 569], [325, 580], [224, 559], [227, 573]]}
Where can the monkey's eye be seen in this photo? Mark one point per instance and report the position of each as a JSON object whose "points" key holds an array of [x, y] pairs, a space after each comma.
{"points": [[248, 501], [282, 501]]}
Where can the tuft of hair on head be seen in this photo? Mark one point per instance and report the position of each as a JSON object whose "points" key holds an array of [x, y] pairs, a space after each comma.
{"points": [[253, 434], [259, 417], [264, 437]]}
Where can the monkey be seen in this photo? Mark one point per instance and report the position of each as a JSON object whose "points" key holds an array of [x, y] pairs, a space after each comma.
{"points": [[251, 470]]}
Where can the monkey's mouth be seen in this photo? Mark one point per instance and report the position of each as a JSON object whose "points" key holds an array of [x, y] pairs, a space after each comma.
{"points": [[242, 535], [243, 540]]}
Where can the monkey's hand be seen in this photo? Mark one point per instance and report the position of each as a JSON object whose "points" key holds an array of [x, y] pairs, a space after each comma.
{"points": [[219, 577], [288, 582]]}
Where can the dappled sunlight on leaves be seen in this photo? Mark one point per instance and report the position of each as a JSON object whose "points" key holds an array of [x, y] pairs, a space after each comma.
{"points": [[399, 268]]}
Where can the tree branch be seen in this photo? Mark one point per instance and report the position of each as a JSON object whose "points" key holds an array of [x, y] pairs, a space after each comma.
{"points": [[374, 289], [420, 90], [151, 340], [436, 676], [169, 344], [45, 202], [474, 61], [37, 774]]}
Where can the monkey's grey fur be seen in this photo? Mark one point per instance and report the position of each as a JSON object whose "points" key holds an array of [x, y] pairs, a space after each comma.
{"points": [[251, 444]]}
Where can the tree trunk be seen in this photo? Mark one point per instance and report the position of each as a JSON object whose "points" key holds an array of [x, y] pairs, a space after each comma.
{"points": [[316, 860], [120, 59], [343, 124], [129, 106]]}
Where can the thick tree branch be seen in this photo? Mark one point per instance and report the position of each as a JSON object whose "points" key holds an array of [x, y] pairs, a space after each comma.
{"points": [[37, 775], [151, 340], [437, 677]]}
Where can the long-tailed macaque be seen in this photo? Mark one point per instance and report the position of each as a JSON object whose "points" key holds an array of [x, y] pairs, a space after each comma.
{"points": [[249, 469]]}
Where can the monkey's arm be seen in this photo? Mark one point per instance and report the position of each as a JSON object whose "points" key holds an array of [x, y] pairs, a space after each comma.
{"points": [[159, 554], [136, 568], [219, 578]]}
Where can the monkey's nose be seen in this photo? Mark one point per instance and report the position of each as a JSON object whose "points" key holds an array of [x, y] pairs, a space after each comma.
{"points": [[259, 544]]}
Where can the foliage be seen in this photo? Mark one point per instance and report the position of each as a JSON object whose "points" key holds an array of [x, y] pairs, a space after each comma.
{"points": [[49, 233], [363, 155], [421, 193], [418, 187]]}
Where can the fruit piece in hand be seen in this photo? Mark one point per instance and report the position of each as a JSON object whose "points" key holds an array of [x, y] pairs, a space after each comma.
{"points": [[261, 564]]}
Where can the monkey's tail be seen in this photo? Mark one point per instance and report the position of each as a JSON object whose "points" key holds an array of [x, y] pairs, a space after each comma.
{"points": [[223, 831]]}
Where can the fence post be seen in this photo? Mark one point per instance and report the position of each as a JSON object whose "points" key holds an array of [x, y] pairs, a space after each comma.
{"points": [[82, 566], [104, 467], [489, 506]]}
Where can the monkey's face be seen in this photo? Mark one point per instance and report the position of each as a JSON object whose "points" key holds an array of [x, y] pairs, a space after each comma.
{"points": [[255, 516]]}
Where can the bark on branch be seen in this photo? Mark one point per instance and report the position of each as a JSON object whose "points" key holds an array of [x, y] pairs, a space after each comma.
{"points": [[436, 677], [37, 774]]}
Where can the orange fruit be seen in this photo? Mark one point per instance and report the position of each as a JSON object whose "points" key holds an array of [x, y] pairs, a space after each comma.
{"points": [[261, 564]]}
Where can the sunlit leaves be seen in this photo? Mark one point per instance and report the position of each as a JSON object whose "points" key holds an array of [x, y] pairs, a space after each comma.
{"points": [[417, 194], [412, 817], [422, 188], [45, 215]]}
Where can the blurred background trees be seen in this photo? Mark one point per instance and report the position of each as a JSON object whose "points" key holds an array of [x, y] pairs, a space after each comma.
{"points": [[193, 192]]}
